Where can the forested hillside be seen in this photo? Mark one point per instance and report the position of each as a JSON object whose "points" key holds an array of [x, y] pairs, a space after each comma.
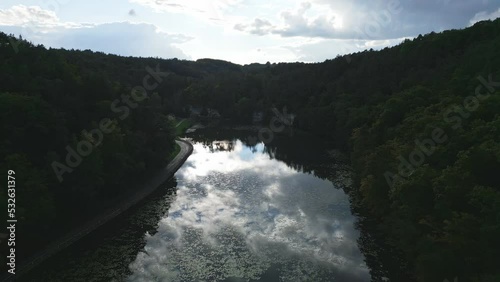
{"points": [[75, 144], [422, 123], [420, 120]]}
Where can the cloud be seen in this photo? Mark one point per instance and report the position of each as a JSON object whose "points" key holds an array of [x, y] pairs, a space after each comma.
{"points": [[123, 38], [210, 10], [481, 16], [371, 20], [297, 23], [282, 30], [322, 20], [32, 17], [23, 15], [258, 27]]}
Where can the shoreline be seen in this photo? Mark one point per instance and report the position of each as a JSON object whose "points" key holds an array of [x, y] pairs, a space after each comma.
{"points": [[106, 216]]}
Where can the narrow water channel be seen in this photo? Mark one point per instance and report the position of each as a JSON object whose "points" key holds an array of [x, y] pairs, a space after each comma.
{"points": [[234, 212]]}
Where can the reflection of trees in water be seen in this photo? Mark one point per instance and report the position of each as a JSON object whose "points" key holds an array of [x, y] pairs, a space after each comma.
{"points": [[275, 152], [302, 153], [219, 146], [213, 141], [376, 249]]}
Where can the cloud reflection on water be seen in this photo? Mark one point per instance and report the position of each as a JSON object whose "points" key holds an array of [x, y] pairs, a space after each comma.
{"points": [[241, 214]]}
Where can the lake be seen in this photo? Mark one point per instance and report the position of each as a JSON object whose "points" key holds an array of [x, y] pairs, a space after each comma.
{"points": [[237, 210]]}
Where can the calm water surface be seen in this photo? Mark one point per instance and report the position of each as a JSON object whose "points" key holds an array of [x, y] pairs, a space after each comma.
{"points": [[236, 213]]}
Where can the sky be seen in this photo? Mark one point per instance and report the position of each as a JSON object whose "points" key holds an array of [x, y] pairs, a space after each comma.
{"points": [[240, 31]]}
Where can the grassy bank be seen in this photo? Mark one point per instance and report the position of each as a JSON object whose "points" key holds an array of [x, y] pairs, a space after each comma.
{"points": [[181, 126], [174, 153]]}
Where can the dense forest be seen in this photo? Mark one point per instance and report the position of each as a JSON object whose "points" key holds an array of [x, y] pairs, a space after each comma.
{"points": [[420, 120], [77, 146]]}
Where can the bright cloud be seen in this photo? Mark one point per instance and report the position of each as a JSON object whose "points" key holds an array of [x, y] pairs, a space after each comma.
{"points": [[306, 21], [44, 27], [33, 17]]}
